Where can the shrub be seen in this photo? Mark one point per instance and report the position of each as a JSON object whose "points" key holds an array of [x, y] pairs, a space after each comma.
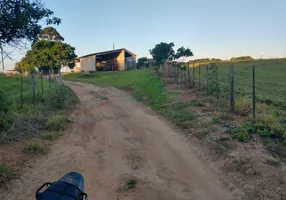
{"points": [[197, 103], [5, 174], [241, 136], [35, 148], [57, 122], [268, 119], [243, 107], [62, 97], [22, 128]]}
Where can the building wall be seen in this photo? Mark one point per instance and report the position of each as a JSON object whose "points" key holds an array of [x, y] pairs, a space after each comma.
{"points": [[121, 61], [77, 67], [88, 64], [130, 63]]}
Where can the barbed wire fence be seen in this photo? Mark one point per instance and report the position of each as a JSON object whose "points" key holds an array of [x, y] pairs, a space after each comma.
{"points": [[39, 84], [230, 81]]}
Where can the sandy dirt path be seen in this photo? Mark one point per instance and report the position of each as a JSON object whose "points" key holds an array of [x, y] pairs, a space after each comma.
{"points": [[114, 139]]}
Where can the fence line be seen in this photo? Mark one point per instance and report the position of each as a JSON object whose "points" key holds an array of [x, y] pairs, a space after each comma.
{"points": [[34, 85], [213, 79]]}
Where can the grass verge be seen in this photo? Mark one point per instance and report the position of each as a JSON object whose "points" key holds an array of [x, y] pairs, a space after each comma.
{"points": [[35, 148], [22, 123]]}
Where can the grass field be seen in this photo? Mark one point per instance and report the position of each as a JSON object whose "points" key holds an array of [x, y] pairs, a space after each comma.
{"points": [[142, 83], [18, 123], [270, 80], [11, 88]]}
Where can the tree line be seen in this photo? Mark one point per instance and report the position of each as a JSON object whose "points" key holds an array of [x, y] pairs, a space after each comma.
{"points": [[164, 52]]}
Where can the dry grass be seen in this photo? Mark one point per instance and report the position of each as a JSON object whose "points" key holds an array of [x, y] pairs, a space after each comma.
{"points": [[5, 174], [57, 122], [52, 136], [243, 107], [35, 148]]}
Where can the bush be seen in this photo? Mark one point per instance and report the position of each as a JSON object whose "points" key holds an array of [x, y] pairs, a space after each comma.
{"points": [[243, 107], [57, 122], [268, 119], [5, 174], [35, 148], [241, 136]]}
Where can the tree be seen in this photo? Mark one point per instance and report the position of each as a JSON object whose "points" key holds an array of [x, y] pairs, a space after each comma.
{"points": [[50, 54], [183, 53], [142, 62], [51, 34], [24, 66], [20, 20], [162, 52]]}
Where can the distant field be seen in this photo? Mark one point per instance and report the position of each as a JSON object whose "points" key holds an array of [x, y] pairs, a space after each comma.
{"points": [[270, 80]]}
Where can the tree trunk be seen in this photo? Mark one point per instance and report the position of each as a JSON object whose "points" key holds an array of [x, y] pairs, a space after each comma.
{"points": [[2, 58]]}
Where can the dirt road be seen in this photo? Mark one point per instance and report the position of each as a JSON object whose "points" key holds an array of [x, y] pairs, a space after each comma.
{"points": [[114, 139]]}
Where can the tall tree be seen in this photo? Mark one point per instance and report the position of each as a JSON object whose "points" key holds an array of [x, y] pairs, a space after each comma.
{"points": [[50, 54], [20, 21], [162, 52], [51, 34], [183, 53], [181, 56]]}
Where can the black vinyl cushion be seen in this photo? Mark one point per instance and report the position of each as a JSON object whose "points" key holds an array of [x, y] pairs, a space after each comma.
{"points": [[61, 191]]}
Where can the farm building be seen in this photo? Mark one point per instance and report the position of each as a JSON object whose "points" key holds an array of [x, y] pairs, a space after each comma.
{"points": [[115, 60]]}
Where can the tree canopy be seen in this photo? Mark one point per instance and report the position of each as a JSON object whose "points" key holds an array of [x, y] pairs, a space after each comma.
{"points": [[51, 34], [142, 62], [184, 53], [162, 52], [47, 54], [20, 19]]}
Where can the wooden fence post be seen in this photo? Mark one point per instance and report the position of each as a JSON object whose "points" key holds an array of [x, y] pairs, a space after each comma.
{"points": [[193, 75], [33, 88], [60, 74], [21, 100], [166, 70], [49, 79], [231, 88], [199, 77], [42, 84], [217, 83], [176, 73], [179, 77], [189, 77], [253, 92], [207, 78]]}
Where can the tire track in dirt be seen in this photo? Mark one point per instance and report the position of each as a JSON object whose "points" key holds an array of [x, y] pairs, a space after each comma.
{"points": [[114, 139]]}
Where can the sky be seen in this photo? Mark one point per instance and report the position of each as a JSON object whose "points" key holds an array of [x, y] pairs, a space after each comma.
{"points": [[210, 28]]}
